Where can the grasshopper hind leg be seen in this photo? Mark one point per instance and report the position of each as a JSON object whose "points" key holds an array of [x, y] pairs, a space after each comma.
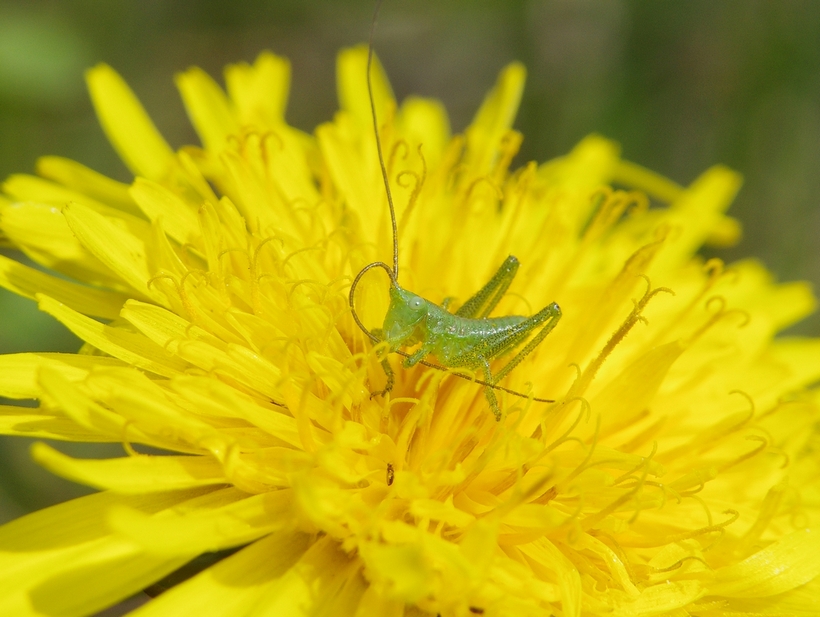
{"points": [[489, 393], [547, 318]]}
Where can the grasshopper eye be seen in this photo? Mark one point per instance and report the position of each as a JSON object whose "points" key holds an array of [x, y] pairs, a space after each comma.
{"points": [[416, 303]]}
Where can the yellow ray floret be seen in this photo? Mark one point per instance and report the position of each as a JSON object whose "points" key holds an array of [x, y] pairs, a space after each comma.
{"points": [[128, 127]]}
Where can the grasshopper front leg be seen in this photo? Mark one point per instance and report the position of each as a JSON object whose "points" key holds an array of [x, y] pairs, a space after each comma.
{"points": [[409, 362], [388, 371], [415, 358]]}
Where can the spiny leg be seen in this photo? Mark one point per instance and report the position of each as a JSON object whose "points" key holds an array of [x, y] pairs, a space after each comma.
{"points": [[411, 360], [388, 371], [498, 345], [488, 297], [488, 391], [549, 316]]}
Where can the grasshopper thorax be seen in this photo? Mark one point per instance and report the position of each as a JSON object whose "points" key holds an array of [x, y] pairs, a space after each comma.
{"points": [[405, 319]]}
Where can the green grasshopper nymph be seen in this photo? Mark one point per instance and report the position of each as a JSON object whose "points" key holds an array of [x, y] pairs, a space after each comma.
{"points": [[468, 338]]}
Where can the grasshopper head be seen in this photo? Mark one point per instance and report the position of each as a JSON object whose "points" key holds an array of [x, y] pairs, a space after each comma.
{"points": [[405, 315]]}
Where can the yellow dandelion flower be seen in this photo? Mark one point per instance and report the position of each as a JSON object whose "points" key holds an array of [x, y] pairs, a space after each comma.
{"points": [[676, 473]]}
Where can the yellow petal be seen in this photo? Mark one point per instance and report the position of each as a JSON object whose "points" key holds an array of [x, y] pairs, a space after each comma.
{"points": [[695, 214], [356, 181], [726, 233], [404, 569], [660, 599], [86, 181], [788, 304], [799, 357], [629, 394], [337, 378], [494, 119], [202, 349], [801, 602], [164, 327], [46, 556], [788, 563], [130, 347], [213, 397], [15, 421], [425, 122], [163, 258], [119, 250], [324, 581], [634, 176], [289, 165], [23, 187], [118, 568], [440, 511], [243, 519], [135, 474], [134, 397], [28, 537], [250, 190], [235, 585], [569, 579], [19, 372], [208, 108], [260, 92], [777, 304], [351, 82], [375, 603], [27, 282], [160, 204], [41, 231], [79, 407], [127, 126]]}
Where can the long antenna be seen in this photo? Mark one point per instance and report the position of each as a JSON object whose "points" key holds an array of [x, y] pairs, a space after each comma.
{"points": [[379, 146]]}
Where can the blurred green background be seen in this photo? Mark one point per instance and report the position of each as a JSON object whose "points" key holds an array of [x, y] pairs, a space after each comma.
{"points": [[681, 85]]}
